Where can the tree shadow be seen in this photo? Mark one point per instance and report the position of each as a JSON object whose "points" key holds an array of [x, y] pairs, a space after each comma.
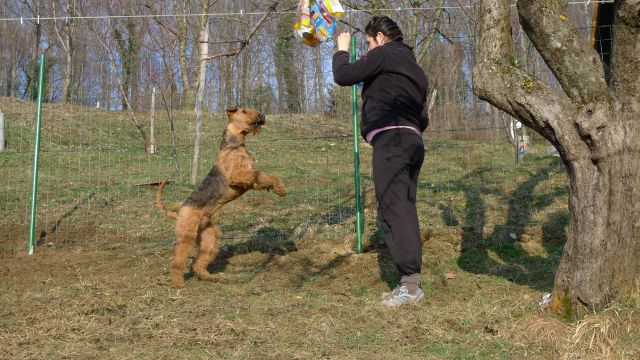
{"points": [[309, 270], [498, 252]]}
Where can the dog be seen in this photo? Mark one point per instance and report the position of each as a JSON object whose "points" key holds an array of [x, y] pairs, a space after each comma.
{"points": [[231, 176]]}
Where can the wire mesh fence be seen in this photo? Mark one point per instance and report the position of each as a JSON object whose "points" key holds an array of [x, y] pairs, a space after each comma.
{"points": [[97, 180]]}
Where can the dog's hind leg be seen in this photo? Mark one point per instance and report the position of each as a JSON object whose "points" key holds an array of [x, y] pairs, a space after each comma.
{"points": [[209, 248], [187, 225]]}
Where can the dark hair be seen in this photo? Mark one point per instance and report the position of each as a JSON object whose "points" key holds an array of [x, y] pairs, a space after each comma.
{"points": [[386, 26]]}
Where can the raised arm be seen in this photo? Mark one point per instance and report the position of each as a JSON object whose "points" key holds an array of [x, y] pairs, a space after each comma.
{"points": [[346, 73]]}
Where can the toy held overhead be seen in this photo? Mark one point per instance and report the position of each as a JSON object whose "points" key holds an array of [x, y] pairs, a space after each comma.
{"points": [[316, 23]]}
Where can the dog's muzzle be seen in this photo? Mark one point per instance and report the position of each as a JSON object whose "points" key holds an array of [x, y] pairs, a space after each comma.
{"points": [[260, 121]]}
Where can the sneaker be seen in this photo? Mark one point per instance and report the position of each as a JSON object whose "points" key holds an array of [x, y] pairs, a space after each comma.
{"points": [[400, 296], [387, 294]]}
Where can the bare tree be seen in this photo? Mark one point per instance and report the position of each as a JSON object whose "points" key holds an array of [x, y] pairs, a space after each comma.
{"points": [[36, 9], [285, 60], [181, 34], [592, 124], [204, 58], [67, 45], [188, 99], [203, 40], [126, 104], [12, 50]]}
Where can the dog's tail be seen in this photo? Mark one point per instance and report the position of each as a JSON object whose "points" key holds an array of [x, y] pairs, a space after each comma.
{"points": [[160, 203]]}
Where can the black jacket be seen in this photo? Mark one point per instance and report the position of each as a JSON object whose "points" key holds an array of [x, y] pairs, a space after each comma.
{"points": [[394, 90]]}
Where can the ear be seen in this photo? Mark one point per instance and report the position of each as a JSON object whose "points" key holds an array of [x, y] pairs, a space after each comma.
{"points": [[231, 110]]}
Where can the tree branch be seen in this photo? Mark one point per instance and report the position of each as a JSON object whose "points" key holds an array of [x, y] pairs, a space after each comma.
{"points": [[245, 42], [137, 124], [350, 25], [570, 57], [498, 80], [161, 23], [55, 27]]}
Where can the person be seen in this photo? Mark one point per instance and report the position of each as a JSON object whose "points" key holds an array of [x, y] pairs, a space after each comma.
{"points": [[394, 93]]}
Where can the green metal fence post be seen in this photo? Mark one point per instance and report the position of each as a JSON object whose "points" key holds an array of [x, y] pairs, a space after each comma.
{"points": [[36, 159], [356, 154]]}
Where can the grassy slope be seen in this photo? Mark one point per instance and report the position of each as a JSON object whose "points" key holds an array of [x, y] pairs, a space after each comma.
{"points": [[289, 286]]}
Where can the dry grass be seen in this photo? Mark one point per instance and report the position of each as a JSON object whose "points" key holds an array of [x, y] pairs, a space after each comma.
{"points": [[610, 334], [290, 288], [316, 301]]}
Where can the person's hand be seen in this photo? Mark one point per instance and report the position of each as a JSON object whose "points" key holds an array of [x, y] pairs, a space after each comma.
{"points": [[344, 40]]}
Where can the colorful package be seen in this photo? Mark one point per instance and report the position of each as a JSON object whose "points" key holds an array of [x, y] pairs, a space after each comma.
{"points": [[306, 36], [323, 24], [303, 14], [334, 7], [316, 23]]}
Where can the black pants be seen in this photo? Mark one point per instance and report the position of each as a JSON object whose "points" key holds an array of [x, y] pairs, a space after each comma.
{"points": [[397, 158]]}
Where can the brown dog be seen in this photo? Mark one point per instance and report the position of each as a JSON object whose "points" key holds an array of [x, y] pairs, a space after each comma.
{"points": [[232, 175]]}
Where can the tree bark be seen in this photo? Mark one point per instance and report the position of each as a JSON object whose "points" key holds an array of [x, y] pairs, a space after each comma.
{"points": [[594, 128], [66, 43], [68, 73], [286, 70], [33, 77], [11, 85], [188, 100], [199, 104]]}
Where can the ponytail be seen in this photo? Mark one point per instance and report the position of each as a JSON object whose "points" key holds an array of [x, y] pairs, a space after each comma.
{"points": [[386, 26]]}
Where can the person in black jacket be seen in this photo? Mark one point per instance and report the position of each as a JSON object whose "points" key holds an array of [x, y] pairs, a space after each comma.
{"points": [[393, 117]]}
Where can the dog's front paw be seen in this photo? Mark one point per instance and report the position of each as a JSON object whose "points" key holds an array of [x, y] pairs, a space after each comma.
{"points": [[177, 280], [280, 190]]}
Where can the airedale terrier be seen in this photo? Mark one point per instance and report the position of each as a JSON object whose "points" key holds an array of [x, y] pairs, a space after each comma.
{"points": [[232, 175]]}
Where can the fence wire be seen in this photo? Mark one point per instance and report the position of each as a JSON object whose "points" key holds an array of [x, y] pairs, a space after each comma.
{"points": [[97, 183]]}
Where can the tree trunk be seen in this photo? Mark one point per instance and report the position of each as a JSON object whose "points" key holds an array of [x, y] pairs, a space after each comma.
{"points": [[188, 100], [135, 83], [319, 77], [602, 255], [600, 260], [66, 43], [66, 84], [202, 77], [593, 126], [8, 73], [32, 82], [285, 61], [11, 86], [104, 88], [246, 59]]}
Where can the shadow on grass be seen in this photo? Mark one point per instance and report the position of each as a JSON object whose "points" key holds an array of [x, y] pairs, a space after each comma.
{"points": [[498, 252], [337, 214], [277, 242], [388, 271], [267, 240], [311, 271]]}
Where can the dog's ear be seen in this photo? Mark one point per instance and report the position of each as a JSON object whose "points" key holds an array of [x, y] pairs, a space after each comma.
{"points": [[231, 110]]}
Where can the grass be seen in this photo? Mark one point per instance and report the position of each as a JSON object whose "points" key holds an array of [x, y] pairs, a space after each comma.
{"points": [[289, 287]]}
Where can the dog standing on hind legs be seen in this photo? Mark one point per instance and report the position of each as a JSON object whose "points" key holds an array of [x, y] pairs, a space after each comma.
{"points": [[232, 175]]}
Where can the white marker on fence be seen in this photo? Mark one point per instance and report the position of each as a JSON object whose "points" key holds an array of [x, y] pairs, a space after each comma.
{"points": [[3, 142]]}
